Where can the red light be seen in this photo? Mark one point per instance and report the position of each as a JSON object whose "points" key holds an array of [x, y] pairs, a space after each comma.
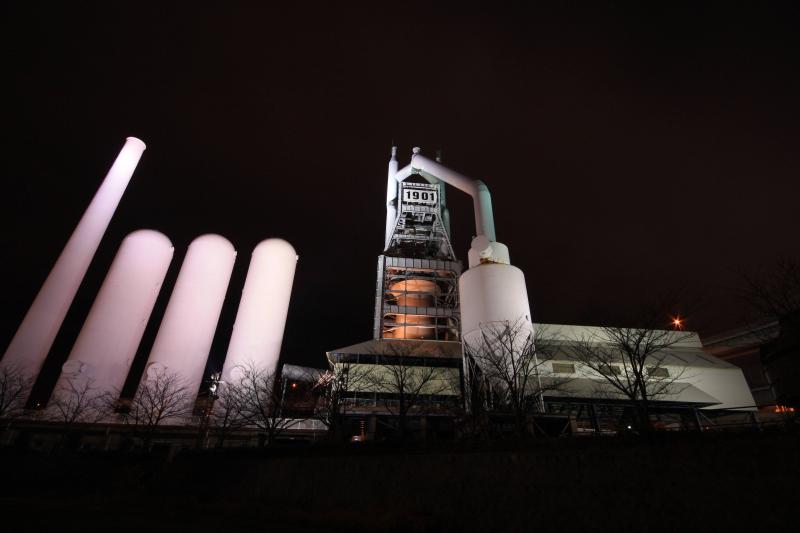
{"points": [[294, 385], [677, 322]]}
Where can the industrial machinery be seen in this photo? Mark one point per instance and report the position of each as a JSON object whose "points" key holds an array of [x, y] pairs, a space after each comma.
{"points": [[491, 290], [417, 287]]}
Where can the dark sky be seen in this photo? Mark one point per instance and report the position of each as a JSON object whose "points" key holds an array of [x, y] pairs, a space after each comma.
{"points": [[628, 151]]}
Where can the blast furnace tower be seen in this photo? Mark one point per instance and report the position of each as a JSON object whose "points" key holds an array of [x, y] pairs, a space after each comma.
{"points": [[417, 283], [409, 374]]}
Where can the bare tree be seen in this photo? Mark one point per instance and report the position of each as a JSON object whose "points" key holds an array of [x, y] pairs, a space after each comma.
{"points": [[162, 396], [506, 371], [775, 292], [77, 401], [14, 387], [227, 413], [405, 386], [633, 361], [259, 392], [333, 387]]}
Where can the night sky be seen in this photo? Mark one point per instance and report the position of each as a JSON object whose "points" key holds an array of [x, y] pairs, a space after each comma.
{"points": [[628, 152]]}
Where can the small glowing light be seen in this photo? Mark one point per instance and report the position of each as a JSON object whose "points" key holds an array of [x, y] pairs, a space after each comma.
{"points": [[677, 322], [629, 427], [294, 385]]}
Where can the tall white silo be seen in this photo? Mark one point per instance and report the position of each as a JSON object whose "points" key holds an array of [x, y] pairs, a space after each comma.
{"points": [[34, 338], [261, 318], [107, 343], [493, 294], [184, 338]]}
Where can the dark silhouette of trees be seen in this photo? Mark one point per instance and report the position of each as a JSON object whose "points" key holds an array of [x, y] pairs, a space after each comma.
{"points": [[259, 401], [505, 372], [162, 397], [227, 412], [404, 386], [14, 386], [772, 293], [77, 401], [633, 360], [333, 388]]}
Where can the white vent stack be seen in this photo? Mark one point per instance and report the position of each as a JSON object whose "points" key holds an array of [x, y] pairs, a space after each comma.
{"points": [[34, 338], [261, 318], [184, 338], [391, 197], [491, 290], [107, 343]]}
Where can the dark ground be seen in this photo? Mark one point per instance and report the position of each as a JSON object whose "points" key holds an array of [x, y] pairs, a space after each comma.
{"points": [[677, 482]]}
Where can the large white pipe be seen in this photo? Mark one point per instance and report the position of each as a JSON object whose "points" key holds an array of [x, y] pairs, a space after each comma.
{"points": [[34, 338], [108, 341], [261, 318], [184, 338], [391, 198], [481, 198]]}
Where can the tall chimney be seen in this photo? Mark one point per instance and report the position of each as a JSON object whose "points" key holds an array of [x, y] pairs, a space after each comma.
{"points": [[34, 338]]}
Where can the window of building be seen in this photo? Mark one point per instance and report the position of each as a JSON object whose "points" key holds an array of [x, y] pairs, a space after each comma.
{"points": [[563, 368], [658, 372], [608, 370]]}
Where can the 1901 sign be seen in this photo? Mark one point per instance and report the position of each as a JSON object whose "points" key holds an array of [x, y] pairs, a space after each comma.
{"points": [[419, 196]]}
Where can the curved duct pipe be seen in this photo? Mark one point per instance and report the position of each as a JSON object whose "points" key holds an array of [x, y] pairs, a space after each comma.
{"points": [[484, 247], [481, 198]]}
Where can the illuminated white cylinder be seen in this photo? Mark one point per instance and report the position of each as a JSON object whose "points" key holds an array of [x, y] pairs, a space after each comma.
{"points": [[32, 341], [391, 198], [113, 330], [261, 318], [489, 294], [187, 330]]}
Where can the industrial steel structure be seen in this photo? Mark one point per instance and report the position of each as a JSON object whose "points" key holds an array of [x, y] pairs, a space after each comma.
{"points": [[425, 307], [427, 311], [428, 314]]}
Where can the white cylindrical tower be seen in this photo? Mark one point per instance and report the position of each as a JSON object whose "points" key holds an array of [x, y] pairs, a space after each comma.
{"points": [[184, 338], [261, 318], [108, 341], [31, 344], [492, 293], [391, 197]]}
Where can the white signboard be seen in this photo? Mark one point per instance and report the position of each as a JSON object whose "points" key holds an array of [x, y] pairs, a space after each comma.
{"points": [[419, 196]]}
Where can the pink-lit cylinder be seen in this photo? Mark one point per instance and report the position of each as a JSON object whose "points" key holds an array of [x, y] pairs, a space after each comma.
{"points": [[32, 341], [187, 330], [261, 318], [113, 330]]}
